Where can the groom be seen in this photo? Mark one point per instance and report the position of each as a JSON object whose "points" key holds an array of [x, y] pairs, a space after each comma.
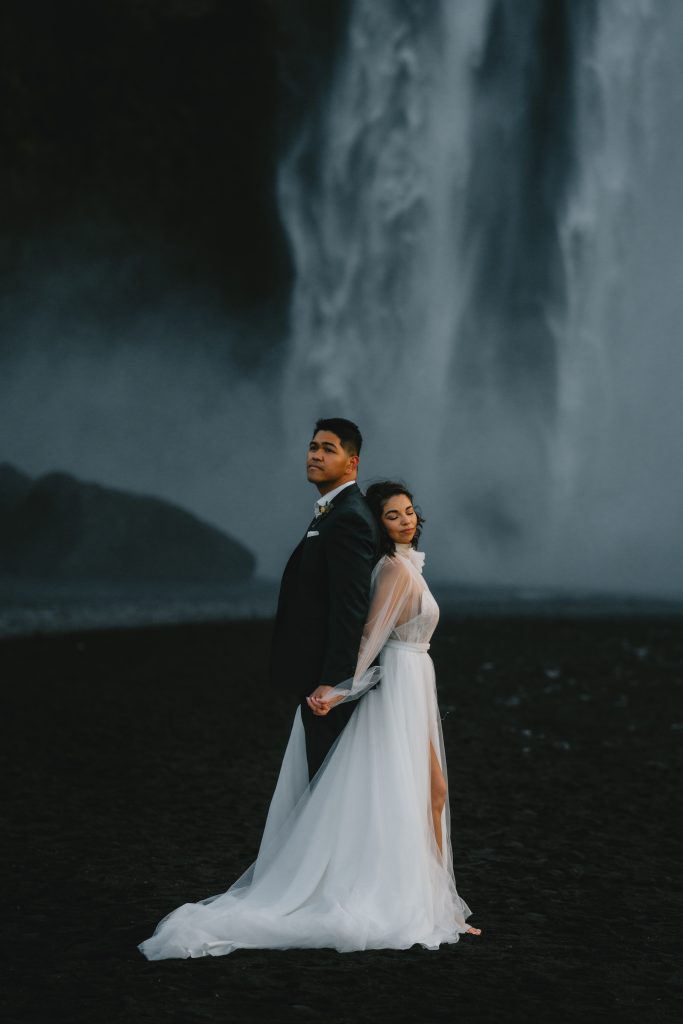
{"points": [[325, 589]]}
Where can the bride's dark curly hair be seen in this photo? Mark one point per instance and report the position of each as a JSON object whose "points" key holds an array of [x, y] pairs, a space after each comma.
{"points": [[377, 496]]}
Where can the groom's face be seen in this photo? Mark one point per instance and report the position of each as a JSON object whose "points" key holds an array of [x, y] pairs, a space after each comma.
{"points": [[328, 464]]}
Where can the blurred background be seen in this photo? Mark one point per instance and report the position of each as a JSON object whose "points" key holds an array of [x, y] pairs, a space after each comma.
{"points": [[457, 222]]}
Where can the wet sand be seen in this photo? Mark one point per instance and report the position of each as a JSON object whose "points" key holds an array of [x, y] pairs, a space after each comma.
{"points": [[141, 764]]}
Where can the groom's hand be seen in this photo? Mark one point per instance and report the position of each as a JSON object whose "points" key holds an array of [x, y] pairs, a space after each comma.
{"points": [[317, 702]]}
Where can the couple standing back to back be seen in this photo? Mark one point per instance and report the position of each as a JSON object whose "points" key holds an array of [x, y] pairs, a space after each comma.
{"points": [[356, 851]]}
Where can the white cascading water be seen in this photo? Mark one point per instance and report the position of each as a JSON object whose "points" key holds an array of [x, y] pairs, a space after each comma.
{"points": [[615, 476], [516, 432], [375, 243], [611, 89]]}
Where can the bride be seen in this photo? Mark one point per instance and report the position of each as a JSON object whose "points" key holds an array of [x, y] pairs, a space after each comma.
{"points": [[360, 857]]}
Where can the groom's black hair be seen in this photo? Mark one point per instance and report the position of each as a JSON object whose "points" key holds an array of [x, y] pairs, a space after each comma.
{"points": [[347, 432]]}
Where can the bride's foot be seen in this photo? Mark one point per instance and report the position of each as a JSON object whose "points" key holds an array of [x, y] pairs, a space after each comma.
{"points": [[474, 931]]}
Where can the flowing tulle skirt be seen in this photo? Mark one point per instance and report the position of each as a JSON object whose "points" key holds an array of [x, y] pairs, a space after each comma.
{"points": [[349, 861]]}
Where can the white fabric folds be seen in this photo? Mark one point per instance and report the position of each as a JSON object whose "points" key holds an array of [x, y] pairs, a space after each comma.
{"points": [[350, 861]]}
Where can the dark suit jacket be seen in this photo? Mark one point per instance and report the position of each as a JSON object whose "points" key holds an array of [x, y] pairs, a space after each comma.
{"points": [[324, 598]]}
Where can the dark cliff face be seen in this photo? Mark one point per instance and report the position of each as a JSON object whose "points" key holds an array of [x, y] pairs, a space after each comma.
{"points": [[153, 129], [60, 528]]}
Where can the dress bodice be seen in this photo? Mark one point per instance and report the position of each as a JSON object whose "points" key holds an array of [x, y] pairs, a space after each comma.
{"points": [[401, 609], [419, 628]]}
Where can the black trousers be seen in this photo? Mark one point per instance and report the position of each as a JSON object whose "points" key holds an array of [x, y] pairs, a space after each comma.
{"points": [[322, 730]]}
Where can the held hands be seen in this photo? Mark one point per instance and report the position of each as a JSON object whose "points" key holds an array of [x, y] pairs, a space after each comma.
{"points": [[317, 702]]}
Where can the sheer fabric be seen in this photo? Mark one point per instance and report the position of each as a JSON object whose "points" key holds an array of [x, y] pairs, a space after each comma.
{"points": [[350, 860], [396, 611]]}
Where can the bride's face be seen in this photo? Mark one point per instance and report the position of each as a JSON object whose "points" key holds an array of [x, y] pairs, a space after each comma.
{"points": [[399, 518]]}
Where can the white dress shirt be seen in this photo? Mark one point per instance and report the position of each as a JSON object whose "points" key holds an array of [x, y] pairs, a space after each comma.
{"points": [[324, 499]]}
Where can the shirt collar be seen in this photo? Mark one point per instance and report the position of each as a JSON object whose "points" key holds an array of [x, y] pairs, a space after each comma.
{"points": [[325, 498]]}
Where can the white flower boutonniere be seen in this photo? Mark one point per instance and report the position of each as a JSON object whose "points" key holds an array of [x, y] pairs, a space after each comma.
{"points": [[322, 510]]}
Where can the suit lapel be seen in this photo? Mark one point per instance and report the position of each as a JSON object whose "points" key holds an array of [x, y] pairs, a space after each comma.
{"points": [[340, 498], [318, 521]]}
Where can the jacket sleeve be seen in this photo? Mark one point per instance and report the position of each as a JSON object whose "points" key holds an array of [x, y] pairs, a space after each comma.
{"points": [[350, 554]]}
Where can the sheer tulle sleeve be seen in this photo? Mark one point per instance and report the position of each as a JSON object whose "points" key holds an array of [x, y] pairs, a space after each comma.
{"points": [[395, 600]]}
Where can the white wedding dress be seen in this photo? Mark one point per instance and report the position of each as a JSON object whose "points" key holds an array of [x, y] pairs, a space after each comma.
{"points": [[350, 861]]}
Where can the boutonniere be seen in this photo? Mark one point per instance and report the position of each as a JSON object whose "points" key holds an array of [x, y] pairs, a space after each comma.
{"points": [[324, 509]]}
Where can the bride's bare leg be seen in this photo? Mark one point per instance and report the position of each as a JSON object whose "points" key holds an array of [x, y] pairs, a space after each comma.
{"points": [[439, 795]]}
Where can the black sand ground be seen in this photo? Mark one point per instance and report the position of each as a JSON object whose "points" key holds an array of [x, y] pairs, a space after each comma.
{"points": [[140, 765]]}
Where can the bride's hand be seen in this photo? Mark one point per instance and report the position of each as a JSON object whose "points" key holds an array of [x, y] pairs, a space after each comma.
{"points": [[331, 701], [320, 704]]}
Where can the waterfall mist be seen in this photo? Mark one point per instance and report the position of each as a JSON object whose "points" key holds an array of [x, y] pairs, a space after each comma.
{"points": [[172, 397]]}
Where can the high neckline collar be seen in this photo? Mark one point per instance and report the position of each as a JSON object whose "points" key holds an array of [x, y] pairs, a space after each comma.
{"points": [[408, 552]]}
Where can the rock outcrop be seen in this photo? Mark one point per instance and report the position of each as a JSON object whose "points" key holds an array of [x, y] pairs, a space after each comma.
{"points": [[60, 528]]}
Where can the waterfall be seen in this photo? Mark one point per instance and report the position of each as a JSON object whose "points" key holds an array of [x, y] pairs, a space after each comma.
{"points": [[462, 218], [375, 230]]}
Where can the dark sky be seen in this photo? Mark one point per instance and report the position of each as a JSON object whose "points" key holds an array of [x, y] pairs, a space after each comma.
{"points": [[156, 125]]}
